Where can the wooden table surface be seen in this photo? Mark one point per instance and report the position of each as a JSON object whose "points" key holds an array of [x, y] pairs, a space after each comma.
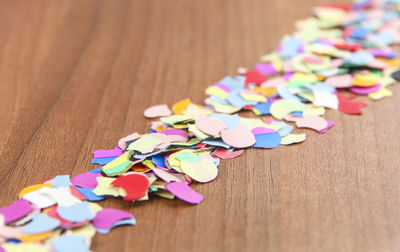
{"points": [[75, 76]]}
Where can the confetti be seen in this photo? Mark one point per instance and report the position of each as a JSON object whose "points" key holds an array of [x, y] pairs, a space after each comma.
{"points": [[339, 53], [157, 111], [182, 191]]}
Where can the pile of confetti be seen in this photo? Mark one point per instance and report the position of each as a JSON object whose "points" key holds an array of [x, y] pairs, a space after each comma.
{"points": [[339, 52]]}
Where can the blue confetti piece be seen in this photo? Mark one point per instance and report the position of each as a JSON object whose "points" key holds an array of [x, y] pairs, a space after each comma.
{"points": [[88, 193], [360, 33], [269, 140], [263, 108], [97, 170], [103, 161], [159, 160]]}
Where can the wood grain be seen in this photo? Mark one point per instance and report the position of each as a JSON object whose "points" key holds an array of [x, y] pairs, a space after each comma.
{"points": [[75, 76]]}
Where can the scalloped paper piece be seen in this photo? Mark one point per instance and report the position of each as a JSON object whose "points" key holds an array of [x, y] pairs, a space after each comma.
{"points": [[157, 111], [240, 137], [202, 171], [209, 125], [293, 139], [182, 191], [16, 210], [135, 185], [282, 107]]}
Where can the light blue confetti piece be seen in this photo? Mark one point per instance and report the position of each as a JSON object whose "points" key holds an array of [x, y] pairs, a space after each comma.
{"points": [[269, 140], [40, 223], [236, 100], [385, 37], [290, 47], [241, 78], [297, 113], [88, 193], [286, 130], [322, 87], [218, 143], [116, 224], [60, 181], [232, 83], [103, 161], [68, 243], [76, 213], [218, 100], [285, 94], [360, 58], [263, 108], [231, 121], [217, 161]]}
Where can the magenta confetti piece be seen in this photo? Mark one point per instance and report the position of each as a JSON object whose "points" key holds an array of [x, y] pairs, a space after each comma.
{"points": [[107, 153], [85, 180], [16, 210], [107, 217], [261, 130], [182, 191], [365, 90]]}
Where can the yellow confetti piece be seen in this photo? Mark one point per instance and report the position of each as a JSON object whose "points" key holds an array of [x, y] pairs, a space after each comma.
{"points": [[381, 93], [310, 109], [198, 133], [104, 187], [119, 165], [214, 90], [280, 108], [174, 119], [252, 123], [194, 110], [88, 230], [94, 207], [33, 188], [202, 171], [181, 106], [253, 97], [365, 80], [293, 138], [35, 237], [24, 247], [165, 194]]}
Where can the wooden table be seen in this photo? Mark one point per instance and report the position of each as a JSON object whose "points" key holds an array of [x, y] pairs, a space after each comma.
{"points": [[75, 76]]}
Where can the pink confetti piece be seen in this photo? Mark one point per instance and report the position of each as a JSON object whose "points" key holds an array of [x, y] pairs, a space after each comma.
{"points": [[157, 111]]}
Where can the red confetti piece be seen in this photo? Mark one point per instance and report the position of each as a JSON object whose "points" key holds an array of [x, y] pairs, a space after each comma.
{"points": [[254, 76], [350, 107], [135, 185], [225, 154]]}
